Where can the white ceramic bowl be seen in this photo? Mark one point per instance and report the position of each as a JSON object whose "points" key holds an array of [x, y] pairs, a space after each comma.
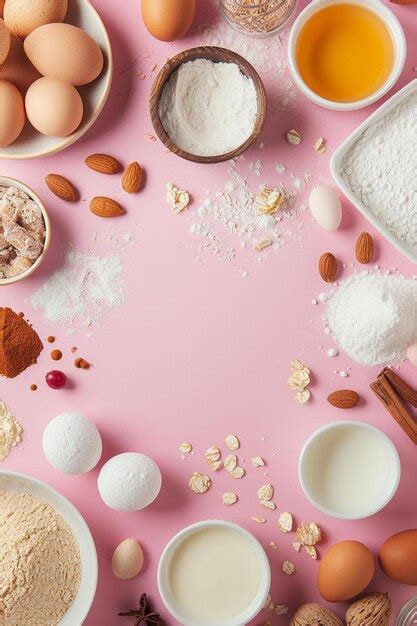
{"points": [[32, 144], [336, 166], [12, 182], [78, 611], [398, 38], [316, 460], [166, 558]]}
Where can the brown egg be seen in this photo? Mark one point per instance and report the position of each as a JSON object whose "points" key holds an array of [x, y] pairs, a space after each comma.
{"points": [[53, 107], [12, 113], [168, 20], [24, 16], [345, 571], [398, 557], [4, 41], [65, 52], [17, 68], [127, 559]]}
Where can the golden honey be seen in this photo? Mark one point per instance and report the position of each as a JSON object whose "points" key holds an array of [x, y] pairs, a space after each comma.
{"points": [[344, 52]]}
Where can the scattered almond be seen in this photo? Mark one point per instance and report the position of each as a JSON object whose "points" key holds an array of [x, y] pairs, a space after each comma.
{"points": [[328, 267], [132, 178], [344, 399], [364, 248], [106, 207], [103, 163], [61, 187]]}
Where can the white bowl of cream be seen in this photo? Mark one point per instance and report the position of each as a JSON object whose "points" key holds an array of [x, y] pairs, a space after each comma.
{"points": [[214, 573], [349, 470]]}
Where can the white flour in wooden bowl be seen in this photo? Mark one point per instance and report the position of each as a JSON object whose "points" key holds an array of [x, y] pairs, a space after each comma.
{"points": [[381, 167]]}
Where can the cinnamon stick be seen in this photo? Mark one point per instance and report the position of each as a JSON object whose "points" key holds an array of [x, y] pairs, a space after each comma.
{"points": [[394, 405], [407, 393]]}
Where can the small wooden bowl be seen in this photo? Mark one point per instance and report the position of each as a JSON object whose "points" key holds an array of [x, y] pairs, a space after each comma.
{"points": [[217, 55]]}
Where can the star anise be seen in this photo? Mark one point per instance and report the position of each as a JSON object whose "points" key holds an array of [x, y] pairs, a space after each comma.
{"points": [[145, 614]]}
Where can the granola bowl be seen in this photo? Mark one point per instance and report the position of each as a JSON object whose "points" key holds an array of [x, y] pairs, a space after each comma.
{"points": [[5, 181]]}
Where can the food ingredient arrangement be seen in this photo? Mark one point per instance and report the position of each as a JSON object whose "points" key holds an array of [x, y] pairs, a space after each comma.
{"points": [[219, 479]]}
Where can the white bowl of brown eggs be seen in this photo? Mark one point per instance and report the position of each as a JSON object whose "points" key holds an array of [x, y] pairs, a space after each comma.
{"points": [[55, 74]]}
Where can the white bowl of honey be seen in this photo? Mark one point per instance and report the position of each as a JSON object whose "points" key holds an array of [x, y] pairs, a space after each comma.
{"points": [[346, 54]]}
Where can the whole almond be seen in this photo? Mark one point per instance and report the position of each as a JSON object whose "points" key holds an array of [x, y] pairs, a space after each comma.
{"points": [[61, 187], [132, 178], [103, 163], [328, 267], [106, 207], [315, 615], [344, 399], [373, 609], [364, 248]]}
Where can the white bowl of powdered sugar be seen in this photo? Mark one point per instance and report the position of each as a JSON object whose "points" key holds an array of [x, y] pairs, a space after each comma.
{"points": [[376, 169], [54, 580]]}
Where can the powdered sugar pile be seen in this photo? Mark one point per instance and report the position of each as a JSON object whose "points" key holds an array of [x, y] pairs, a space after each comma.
{"points": [[373, 317]]}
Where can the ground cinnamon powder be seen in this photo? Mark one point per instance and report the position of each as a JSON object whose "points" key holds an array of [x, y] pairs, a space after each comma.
{"points": [[20, 345]]}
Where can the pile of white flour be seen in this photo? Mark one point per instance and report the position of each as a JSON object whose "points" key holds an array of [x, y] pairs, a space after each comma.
{"points": [[208, 108], [373, 317], [381, 170]]}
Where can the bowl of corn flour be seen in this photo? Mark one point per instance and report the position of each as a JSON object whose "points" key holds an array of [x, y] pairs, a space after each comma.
{"points": [[375, 168]]}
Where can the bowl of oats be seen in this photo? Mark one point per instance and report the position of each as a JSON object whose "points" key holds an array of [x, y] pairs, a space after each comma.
{"points": [[25, 231]]}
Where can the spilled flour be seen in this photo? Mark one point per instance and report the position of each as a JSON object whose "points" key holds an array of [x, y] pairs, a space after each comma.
{"points": [[82, 289], [373, 317], [11, 432]]}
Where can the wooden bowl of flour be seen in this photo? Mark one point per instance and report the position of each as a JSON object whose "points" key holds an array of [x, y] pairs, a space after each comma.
{"points": [[216, 55]]}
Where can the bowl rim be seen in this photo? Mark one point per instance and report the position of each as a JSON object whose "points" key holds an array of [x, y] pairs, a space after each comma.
{"points": [[333, 426], [71, 139], [14, 182], [400, 53], [216, 54], [93, 574]]}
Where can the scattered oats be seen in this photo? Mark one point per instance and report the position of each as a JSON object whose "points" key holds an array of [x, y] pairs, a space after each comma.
{"points": [[199, 483], [150, 137], [257, 461], [297, 546], [238, 472], [229, 498], [258, 520], [266, 492], [285, 522], [288, 568], [261, 245], [299, 381], [293, 137], [230, 462], [232, 442], [154, 66], [216, 465], [185, 448], [332, 352], [320, 145], [178, 199], [280, 168], [311, 551], [280, 609], [269, 201], [297, 365], [273, 545], [269, 605], [303, 396], [212, 454], [268, 504], [309, 534]]}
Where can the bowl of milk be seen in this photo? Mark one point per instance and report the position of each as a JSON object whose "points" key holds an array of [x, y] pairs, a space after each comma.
{"points": [[349, 470], [214, 573]]}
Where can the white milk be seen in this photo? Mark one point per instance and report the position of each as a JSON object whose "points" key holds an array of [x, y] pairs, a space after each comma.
{"points": [[349, 470], [214, 575]]}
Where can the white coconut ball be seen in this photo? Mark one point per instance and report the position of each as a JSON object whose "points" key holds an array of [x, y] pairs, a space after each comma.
{"points": [[72, 443], [129, 482]]}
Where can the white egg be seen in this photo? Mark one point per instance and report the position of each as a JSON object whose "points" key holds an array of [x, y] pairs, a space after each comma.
{"points": [[129, 482], [326, 207]]}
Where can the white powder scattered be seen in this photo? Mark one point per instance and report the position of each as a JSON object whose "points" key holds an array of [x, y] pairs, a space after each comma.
{"points": [[381, 170], [10, 432], [83, 288], [373, 317], [208, 108]]}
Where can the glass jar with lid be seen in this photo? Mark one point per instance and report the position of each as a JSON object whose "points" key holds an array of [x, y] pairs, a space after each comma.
{"points": [[408, 614], [258, 18]]}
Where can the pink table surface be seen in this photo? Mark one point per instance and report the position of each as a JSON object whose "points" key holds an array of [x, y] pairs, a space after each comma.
{"points": [[198, 350]]}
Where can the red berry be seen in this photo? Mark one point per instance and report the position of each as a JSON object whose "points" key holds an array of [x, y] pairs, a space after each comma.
{"points": [[56, 379]]}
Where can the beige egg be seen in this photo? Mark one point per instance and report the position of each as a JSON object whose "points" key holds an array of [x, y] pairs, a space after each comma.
{"points": [[4, 41], [65, 52], [24, 16], [53, 107], [127, 559], [12, 113], [17, 68]]}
